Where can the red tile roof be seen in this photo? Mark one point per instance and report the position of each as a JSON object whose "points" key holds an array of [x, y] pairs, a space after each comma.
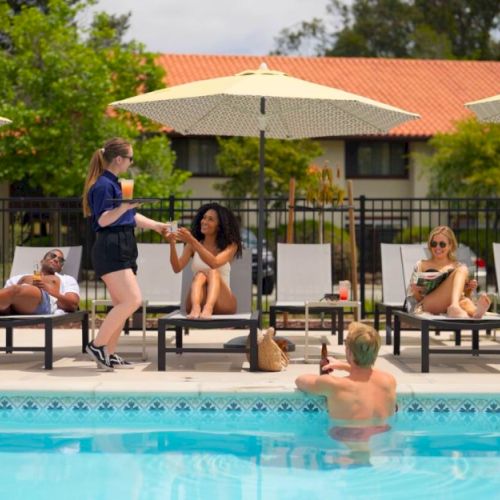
{"points": [[437, 90]]}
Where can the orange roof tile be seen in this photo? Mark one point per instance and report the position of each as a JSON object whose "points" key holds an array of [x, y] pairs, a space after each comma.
{"points": [[435, 89]]}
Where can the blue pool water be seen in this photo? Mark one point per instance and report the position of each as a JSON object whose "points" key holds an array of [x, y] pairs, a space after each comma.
{"points": [[241, 447]]}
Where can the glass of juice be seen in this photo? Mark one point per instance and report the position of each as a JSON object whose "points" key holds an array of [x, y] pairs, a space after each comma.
{"points": [[344, 290], [127, 188]]}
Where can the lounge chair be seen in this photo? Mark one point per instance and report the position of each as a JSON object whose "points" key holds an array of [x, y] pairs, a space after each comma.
{"points": [[393, 285], [304, 273], [241, 284], [426, 322], [24, 257], [160, 286]]}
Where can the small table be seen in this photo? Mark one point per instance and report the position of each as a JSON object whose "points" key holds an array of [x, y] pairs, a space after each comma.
{"points": [[109, 302], [329, 304]]}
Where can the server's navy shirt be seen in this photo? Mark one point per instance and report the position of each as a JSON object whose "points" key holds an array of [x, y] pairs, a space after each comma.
{"points": [[106, 188]]}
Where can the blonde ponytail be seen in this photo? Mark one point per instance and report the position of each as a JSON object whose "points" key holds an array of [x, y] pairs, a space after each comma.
{"points": [[96, 168]]}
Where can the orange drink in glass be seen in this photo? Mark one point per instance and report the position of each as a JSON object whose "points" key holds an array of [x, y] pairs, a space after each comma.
{"points": [[127, 188]]}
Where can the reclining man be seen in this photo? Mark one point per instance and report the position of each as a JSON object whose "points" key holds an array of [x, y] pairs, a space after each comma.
{"points": [[50, 293]]}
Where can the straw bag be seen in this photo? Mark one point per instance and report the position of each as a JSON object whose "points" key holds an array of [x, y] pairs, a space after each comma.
{"points": [[271, 357]]}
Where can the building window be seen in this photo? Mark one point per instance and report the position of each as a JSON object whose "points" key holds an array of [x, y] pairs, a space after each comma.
{"points": [[369, 159], [196, 154]]}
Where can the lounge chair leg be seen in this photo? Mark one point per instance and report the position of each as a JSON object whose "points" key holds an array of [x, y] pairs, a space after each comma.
{"points": [[85, 331], [397, 336], [254, 358], [475, 342], [48, 345], [425, 348], [388, 326], [9, 339], [178, 339], [161, 346]]}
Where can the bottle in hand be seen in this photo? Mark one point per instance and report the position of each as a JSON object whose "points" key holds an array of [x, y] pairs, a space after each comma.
{"points": [[324, 360]]}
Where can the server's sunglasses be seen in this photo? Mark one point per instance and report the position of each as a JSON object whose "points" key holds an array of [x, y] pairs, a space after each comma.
{"points": [[131, 158], [442, 244]]}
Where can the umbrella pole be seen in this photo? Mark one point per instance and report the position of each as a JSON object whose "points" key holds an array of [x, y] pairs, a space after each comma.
{"points": [[260, 231]]}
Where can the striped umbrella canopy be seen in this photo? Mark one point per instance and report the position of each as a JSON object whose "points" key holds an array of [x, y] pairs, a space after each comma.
{"points": [[4, 121], [487, 110], [264, 103]]}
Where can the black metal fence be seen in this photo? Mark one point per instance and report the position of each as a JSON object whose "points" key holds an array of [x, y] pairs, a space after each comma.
{"points": [[59, 222]]}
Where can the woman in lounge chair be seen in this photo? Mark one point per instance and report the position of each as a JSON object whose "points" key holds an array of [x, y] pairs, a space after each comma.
{"points": [[115, 251], [211, 245], [450, 296]]}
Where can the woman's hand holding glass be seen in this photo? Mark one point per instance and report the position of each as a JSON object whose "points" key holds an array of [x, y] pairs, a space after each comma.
{"points": [[184, 235]]}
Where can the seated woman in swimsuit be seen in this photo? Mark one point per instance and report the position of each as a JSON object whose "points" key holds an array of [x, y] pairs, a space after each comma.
{"points": [[212, 243], [449, 297]]}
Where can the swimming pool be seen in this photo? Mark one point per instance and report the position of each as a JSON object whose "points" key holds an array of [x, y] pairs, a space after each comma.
{"points": [[248, 446]]}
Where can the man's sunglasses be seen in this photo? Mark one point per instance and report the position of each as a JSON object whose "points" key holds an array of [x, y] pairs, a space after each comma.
{"points": [[442, 244], [52, 255], [131, 158]]}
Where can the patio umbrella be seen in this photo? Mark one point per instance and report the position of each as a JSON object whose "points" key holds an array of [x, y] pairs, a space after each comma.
{"points": [[487, 110], [4, 121], [264, 103]]}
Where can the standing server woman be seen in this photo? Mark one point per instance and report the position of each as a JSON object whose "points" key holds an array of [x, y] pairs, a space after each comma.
{"points": [[115, 251]]}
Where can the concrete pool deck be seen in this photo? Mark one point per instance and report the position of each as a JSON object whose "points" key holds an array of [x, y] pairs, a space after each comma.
{"points": [[203, 373]]}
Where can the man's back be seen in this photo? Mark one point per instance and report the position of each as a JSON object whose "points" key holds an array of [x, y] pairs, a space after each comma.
{"points": [[366, 394]]}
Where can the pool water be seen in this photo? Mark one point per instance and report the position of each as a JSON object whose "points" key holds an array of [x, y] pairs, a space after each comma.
{"points": [[194, 454]]}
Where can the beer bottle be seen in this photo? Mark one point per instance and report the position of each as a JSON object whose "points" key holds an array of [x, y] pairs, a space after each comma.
{"points": [[324, 360]]}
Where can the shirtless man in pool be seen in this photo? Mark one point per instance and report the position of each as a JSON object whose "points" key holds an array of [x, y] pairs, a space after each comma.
{"points": [[366, 396]]}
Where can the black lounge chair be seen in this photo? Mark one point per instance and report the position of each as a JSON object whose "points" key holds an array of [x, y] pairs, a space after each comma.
{"points": [[241, 284]]}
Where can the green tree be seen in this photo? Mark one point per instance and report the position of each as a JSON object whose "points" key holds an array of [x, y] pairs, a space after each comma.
{"points": [[238, 159], [466, 162], [461, 29], [56, 81]]}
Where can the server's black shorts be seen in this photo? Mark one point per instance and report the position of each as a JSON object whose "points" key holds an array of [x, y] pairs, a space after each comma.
{"points": [[115, 249]]}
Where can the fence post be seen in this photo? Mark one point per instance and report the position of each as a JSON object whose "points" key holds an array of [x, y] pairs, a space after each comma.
{"points": [[362, 254]]}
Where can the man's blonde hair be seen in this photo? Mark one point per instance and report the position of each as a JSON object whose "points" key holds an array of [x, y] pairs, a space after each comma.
{"points": [[364, 343]]}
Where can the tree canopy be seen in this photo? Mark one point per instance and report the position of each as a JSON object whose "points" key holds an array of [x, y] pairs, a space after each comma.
{"points": [[238, 159], [423, 29], [466, 162], [56, 81]]}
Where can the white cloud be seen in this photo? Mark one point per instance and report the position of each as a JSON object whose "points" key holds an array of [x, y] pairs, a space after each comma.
{"points": [[212, 26]]}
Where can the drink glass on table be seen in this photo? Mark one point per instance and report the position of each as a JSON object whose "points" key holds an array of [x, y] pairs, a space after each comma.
{"points": [[127, 188], [344, 289]]}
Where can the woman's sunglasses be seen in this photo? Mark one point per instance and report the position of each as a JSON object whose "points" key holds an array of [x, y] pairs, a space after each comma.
{"points": [[442, 244]]}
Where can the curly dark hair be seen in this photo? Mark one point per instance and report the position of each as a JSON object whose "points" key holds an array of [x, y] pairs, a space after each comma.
{"points": [[228, 230]]}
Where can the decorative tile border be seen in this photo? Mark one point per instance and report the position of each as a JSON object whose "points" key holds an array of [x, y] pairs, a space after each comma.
{"points": [[123, 406]]}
